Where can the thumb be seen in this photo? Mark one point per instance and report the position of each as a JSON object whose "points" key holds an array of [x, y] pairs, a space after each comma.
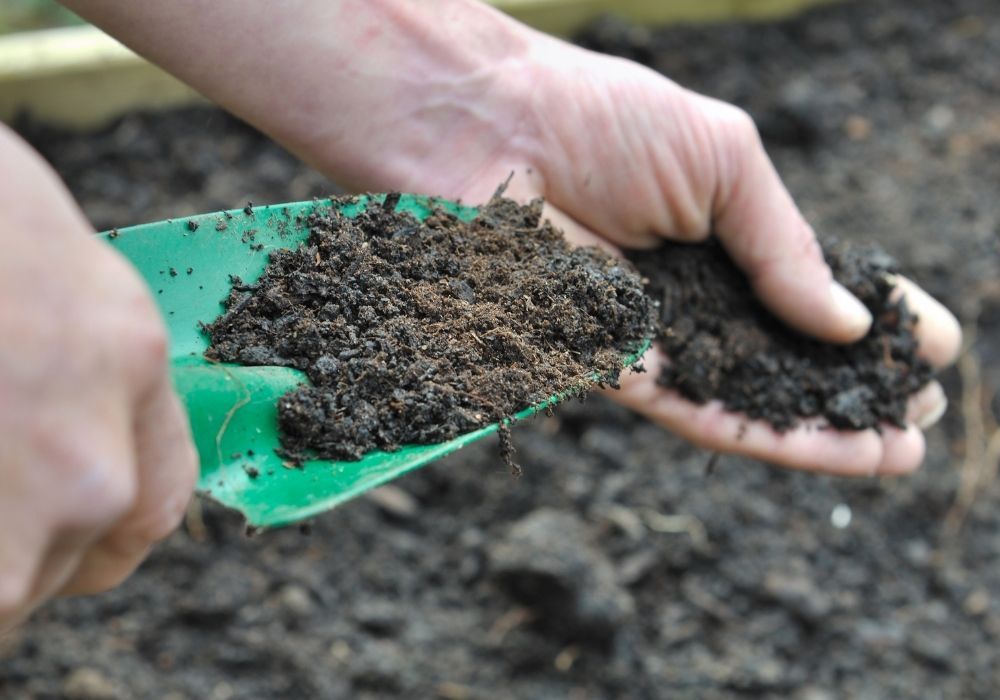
{"points": [[766, 236]]}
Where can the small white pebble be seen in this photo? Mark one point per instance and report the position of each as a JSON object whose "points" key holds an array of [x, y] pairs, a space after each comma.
{"points": [[840, 517], [940, 117]]}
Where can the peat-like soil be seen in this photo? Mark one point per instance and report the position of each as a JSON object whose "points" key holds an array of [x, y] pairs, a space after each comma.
{"points": [[416, 332], [722, 343], [614, 568]]}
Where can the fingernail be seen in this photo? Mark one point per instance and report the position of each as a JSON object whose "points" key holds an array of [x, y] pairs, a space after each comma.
{"points": [[938, 405], [853, 312]]}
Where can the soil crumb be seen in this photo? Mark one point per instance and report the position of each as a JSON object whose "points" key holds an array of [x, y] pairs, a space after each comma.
{"points": [[415, 332], [723, 344]]}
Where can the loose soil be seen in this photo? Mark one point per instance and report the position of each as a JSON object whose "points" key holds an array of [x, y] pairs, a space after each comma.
{"points": [[723, 344], [416, 332], [614, 568]]}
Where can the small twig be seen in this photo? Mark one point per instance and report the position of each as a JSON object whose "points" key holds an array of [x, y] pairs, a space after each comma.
{"points": [[507, 623], [982, 438], [240, 403], [676, 524], [712, 463], [502, 187], [194, 521], [507, 447]]}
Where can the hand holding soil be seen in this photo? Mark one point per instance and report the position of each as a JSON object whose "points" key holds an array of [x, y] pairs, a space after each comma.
{"points": [[623, 156], [672, 164], [722, 350], [703, 169]]}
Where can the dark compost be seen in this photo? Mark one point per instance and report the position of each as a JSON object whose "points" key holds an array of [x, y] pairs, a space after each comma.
{"points": [[723, 344], [416, 332]]}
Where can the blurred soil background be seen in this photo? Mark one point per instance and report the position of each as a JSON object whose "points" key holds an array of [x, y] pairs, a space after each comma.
{"points": [[615, 567]]}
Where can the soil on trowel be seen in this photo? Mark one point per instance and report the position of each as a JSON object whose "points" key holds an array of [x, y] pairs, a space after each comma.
{"points": [[415, 332], [723, 344]]}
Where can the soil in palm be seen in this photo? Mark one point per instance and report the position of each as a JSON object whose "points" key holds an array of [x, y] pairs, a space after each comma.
{"points": [[723, 344]]}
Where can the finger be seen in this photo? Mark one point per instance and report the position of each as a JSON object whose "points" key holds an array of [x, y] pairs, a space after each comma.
{"points": [[575, 232], [167, 472], [902, 450], [23, 539], [61, 560], [937, 329], [26, 203], [809, 447], [926, 407], [50, 526], [21, 552], [764, 233]]}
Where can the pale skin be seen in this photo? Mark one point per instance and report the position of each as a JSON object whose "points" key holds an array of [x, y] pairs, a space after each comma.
{"points": [[445, 97]]}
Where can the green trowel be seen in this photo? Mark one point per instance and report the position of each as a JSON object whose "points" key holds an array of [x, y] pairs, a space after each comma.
{"points": [[189, 265]]}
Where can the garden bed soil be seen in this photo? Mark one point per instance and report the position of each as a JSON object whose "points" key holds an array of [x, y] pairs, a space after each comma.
{"points": [[614, 567]]}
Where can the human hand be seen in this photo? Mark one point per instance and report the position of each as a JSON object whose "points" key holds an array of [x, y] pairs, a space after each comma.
{"points": [[625, 157], [96, 461], [448, 97]]}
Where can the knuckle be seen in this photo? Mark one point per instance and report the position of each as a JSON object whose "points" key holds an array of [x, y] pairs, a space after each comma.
{"points": [[132, 325], [742, 145], [737, 126], [118, 491], [166, 512], [102, 493], [113, 496], [800, 250], [168, 520], [159, 522], [804, 248], [88, 468], [743, 125], [735, 147], [146, 352], [150, 343]]}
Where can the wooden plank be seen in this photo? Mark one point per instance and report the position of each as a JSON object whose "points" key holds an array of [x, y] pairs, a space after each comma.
{"points": [[80, 77], [565, 17]]}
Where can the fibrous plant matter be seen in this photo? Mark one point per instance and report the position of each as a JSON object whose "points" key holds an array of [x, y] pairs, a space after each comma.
{"points": [[415, 332], [723, 344]]}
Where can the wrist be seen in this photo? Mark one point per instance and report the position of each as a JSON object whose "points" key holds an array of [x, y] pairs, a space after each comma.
{"points": [[365, 90], [457, 77]]}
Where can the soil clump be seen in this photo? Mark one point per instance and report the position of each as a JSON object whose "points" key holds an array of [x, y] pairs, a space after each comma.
{"points": [[722, 343], [416, 332]]}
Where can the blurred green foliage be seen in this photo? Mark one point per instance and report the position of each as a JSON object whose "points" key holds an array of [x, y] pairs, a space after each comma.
{"points": [[22, 15]]}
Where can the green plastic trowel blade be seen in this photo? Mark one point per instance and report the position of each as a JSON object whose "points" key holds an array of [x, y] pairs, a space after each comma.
{"points": [[189, 264]]}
